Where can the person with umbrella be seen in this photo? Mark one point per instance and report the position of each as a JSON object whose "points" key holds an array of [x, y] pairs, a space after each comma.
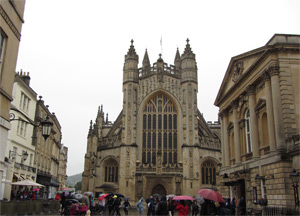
{"points": [[116, 205], [183, 208], [140, 207], [195, 208], [162, 208], [208, 208]]}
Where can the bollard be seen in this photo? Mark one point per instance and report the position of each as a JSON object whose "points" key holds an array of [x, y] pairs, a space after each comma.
{"points": [[30, 207], [21, 207], [55, 206], [38, 205]]}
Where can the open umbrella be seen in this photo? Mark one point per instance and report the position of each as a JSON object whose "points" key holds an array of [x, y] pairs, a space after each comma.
{"points": [[183, 198], [211, 195], [170, 196], [78, 196], [101, 197], [119, 195]]}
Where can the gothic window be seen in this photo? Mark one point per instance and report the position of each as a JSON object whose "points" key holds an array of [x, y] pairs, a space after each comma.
{"points": [[111, 171], [247, 130], [159, 130], [208, 172]]}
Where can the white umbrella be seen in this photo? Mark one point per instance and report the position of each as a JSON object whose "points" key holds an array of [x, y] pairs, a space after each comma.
{"points": [[27, 183]]}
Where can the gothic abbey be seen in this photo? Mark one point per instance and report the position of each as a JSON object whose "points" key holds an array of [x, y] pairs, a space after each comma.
{"points": [[160, 143]]}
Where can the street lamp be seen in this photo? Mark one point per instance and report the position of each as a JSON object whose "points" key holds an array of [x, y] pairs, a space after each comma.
{"points": [[46, 124], [295, 180]]}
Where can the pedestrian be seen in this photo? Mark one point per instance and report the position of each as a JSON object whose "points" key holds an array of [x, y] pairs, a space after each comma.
{"points": [[183, 208], [208, 208], [195, 208], [151, 207], [242, 206], [171, 206], [232, 206], [116, 205], [126, 205], [57, 197], [63, 201], [162, 207], [140, 207], [101, 205]]}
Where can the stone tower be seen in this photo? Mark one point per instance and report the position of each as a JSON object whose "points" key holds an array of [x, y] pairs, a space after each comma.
{"points": [[160, 143]]}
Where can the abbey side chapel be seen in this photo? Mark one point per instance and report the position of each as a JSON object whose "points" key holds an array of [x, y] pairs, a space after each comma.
{"points": [[259, 109], [160, 142]]}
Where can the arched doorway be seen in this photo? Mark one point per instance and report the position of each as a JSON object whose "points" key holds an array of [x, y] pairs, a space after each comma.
{"points": [[159, 189]]}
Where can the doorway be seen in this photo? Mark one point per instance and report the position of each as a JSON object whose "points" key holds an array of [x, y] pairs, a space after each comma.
{"points": [[159, 190]]}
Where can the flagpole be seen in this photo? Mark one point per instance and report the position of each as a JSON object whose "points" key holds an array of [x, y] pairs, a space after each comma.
{"points": [[161, 50]]}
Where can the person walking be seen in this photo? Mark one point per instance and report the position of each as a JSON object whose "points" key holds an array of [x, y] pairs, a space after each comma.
{"points": [[126, 205], [242, 206], [183, 208], [195, 208], [140, 207], [151, 207], [116, 205], [162, 207], [232, 206]]}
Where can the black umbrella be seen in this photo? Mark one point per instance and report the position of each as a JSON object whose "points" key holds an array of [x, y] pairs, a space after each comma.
{"points": [[119, 195]]}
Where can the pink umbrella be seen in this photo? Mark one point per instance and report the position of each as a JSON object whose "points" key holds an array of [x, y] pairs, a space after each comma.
{"points": [[211, 195], [183, 198], [103, 196], [36, 189]]}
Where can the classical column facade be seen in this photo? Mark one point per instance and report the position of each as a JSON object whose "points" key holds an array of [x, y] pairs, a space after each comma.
{"points": [[253, 121], [226, 138], [276, 98], [236, 133], [269, 106]]}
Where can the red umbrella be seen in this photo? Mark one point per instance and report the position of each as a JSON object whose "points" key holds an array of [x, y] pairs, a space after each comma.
{"points": [[211, 195], [183, 198]]}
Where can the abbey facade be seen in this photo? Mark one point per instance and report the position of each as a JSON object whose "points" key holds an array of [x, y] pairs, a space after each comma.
{"points": [[160, 143]]}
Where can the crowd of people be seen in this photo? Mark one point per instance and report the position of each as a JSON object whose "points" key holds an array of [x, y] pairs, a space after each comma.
{"points": [[28, 193], [172, 207], [152, 206]]}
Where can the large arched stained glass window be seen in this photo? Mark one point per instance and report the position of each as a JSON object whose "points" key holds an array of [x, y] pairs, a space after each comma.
{"points": [[159, 130]]}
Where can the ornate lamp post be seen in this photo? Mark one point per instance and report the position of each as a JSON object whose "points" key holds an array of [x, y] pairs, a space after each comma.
{"points": [[46, 124], [294, 175]]}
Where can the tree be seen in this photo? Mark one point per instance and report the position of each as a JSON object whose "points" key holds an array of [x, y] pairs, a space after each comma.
{"points": [[78, 186]]}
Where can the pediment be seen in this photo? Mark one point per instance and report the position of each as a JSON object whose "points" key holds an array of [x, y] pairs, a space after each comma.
{"points": [[239, 67]]}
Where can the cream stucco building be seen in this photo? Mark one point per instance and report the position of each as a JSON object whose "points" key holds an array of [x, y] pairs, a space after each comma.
{"points": [[11, 21], [160, 143], [259, 108], [20, 135]]}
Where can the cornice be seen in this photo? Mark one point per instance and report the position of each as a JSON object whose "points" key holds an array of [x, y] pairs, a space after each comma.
{"points": [[10, 23]]}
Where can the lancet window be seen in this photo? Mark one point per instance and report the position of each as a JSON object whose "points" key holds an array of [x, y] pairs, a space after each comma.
{"points": [[208, 173], [111, 171], [159, 131]]}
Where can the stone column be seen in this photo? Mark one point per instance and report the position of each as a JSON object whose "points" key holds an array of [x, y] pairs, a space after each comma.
{"points": [[270, 115], [226, 139], [222, 138], [253, 122], [236, 131], [276, 98]]}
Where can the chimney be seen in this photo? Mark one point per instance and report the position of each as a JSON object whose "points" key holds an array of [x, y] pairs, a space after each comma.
{"points": [[25, 77]]}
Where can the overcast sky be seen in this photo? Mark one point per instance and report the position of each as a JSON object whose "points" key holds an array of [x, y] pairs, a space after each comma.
{"points": [[74, 50]]}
